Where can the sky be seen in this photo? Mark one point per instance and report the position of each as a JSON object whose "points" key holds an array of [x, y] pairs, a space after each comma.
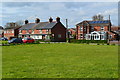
{"points": [[75, 12]]}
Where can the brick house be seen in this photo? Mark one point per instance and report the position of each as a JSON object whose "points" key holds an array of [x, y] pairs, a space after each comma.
{"points": [[51, 30], [1, 31], [11, 31], [72, 32], [95, 30], [116, 29]]}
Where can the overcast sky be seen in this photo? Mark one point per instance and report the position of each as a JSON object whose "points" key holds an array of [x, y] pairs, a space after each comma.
{"points": [[75, 12]]}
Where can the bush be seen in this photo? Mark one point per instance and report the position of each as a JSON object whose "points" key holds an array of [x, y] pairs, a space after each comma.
{"points": [[88, 41]]}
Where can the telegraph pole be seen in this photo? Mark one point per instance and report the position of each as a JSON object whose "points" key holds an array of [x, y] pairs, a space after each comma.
{"points": [[67, 36], [109, 29]]}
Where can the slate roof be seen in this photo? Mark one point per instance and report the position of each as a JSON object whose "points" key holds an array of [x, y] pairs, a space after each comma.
{"points": [[40, 25], [28, 26], [1, 27], [12, 27], [96, 22]]}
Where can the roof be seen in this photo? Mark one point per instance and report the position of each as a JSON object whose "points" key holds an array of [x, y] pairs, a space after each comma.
{"points": [[45, 25], [15, 27], [104, 22], [28, 26], [40, 25], [99, 22], [1, 27]]}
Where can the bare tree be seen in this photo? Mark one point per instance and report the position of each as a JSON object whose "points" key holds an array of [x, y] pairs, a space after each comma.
{"points": [[98, 17], [19, 23]]}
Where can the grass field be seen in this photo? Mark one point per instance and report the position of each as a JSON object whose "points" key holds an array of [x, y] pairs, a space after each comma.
{"points": [[60, 60]]}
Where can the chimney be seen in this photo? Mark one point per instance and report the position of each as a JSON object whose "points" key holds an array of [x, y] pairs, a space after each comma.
{"points": [[26, 21], [58, 19], [50, 20], [37, 20]]}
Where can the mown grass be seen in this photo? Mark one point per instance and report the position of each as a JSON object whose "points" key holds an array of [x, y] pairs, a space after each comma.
{"points": [[60, 61], [3, 42]]}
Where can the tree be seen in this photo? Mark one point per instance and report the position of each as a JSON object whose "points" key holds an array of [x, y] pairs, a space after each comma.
{"points": [[14, 24], [19, 23], [98, 17]]}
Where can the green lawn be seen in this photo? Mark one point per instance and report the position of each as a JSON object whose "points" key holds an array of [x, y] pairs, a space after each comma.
{"points": [[61, 60]]}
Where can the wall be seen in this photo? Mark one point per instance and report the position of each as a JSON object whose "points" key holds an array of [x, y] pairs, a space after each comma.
{"points": [[59, 29]]}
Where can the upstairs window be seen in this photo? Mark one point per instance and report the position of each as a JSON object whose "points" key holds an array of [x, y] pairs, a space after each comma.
{"points": [[84, 28], [92, 28], [20, 31], [81, 35], [102, 28], [12, 31], [81, 28], [47, 31], [40, 31]]}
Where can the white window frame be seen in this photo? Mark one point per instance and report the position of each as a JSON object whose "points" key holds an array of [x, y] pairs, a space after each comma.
{"points": [[81, 35], [81, 28], [102, 28]]}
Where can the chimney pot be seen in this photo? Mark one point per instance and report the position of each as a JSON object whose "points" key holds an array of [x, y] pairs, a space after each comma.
{"points": [[37, 20], [26, 21], [58, 19], [50, 20]]}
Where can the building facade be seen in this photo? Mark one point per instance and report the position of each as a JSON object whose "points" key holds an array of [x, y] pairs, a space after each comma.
{"points": [[1, 31], [95, 30], [51, 30], [11, 31], [72, 32]]}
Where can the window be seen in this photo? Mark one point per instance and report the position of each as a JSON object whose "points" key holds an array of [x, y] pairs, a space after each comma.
{"points": [[12, 31], [81, 28], [81, 35], [40, 31], [47, 31], [20, 31], [84, 35], [59, 35], [92, 28], [110, 36], [102, 28], [84, 29]]}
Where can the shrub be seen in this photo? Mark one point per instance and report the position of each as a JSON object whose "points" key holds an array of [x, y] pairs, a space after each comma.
{"points": [[88, 41]]}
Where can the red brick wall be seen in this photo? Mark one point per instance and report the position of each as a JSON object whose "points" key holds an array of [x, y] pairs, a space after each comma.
{"points": [[59, 29], [36, 32], [24, 31], [8, 33], [97, 28], [44, 31], [73, 32], [105, 28], [78, 32]]}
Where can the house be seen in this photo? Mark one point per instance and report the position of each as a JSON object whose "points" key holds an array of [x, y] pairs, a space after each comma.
{"points": [[11, 30], [72, 32], [116, 30], [1, 31], [50, 30], [95, 30]]}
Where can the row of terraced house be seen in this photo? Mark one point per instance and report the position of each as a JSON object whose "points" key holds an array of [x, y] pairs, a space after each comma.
{"points": [[56, 31]]}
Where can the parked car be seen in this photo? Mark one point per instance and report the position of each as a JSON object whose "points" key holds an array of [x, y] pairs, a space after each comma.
{"points": [[3, 39], [28, 40], [15, 40]]}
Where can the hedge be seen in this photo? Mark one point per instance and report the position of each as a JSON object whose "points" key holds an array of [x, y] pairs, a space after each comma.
{"points": [[87, 41]]}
